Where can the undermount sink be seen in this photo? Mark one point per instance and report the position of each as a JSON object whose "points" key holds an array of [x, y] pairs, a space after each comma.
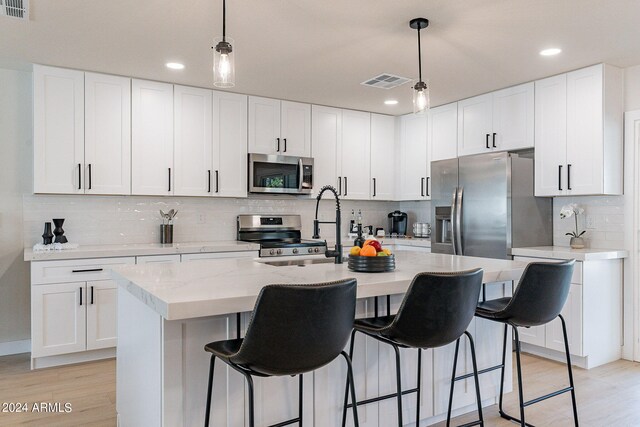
{"points": [[300, 262]]}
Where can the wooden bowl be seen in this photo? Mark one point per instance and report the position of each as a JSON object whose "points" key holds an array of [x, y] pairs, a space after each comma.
{"points": [[371, 264]]}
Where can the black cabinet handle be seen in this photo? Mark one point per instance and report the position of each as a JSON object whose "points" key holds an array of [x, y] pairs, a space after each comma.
{"points": [[87, 270], [428, 195], [345, 186], [285, 145], [374, 187], [560, 177], [89, 176], [339, 186], [494, 140], [169, 179], [422, 187], [80, 295], [79, 176], [217, 182], [569, 177], [92, 295], [278, 140], [487, 141], [209, 181]]}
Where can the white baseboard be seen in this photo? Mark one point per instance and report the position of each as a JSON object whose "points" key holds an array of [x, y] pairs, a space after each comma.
{"points": [[15, 347]]}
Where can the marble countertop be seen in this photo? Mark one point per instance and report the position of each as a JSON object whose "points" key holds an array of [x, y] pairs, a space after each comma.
{"points": [[140, 249], [421, 242], [216, 287], [563, 252]]}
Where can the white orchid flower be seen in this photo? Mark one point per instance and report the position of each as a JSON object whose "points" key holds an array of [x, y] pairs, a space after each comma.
{"points": [[570, 210]]}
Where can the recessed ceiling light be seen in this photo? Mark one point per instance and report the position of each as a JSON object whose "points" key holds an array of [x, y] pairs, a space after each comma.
{"points": [[175, 65], [391, 102], [550, 52]]}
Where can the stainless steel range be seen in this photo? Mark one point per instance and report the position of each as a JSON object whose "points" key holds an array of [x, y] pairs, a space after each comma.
{"points": [[277, 235]]}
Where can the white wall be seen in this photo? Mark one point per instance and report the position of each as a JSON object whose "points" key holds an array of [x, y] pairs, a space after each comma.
{"points": [[15, 180]]}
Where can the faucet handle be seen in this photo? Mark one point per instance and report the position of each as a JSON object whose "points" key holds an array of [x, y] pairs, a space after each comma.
{"points": [[316, 229]]}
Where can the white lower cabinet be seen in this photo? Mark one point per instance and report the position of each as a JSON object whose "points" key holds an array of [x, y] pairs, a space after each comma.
{"points": [[102, 304]]}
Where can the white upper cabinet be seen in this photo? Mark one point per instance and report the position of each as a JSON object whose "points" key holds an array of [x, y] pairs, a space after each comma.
{"points": [[58, 130], [193, 141], [497, 121], [579, 133], [107, 145], [443, 132], [383, 135], [152, 138], [412, 161], [354, 160], [279, 127], [229, 178], [327, 139]]}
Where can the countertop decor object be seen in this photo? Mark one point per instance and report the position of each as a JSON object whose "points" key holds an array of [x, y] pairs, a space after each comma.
{"points": [[567, 211], [166, 228], [58, 231], [47, 236], [371, 264]]}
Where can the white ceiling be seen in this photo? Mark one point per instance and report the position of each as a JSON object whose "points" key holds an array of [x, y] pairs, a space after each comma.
{"points": [[319, 51]]}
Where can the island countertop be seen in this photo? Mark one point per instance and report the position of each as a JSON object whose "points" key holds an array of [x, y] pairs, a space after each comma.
{"points": [[216, 287]]}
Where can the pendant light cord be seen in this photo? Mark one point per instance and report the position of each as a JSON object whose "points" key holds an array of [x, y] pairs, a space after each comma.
{"points": [[419, 56], [224, 20]]}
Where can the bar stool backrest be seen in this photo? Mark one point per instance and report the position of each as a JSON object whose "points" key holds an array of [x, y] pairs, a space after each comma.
{"points": [[298, 328], [437, 309], [540, 295]]}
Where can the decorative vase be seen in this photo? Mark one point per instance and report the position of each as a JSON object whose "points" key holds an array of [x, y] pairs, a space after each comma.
{"points": [[166, 233], [47, 236], [577, 243], [58, 231]]}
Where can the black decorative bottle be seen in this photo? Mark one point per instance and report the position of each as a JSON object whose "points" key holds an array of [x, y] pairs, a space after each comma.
{"points": [[47, 236]]}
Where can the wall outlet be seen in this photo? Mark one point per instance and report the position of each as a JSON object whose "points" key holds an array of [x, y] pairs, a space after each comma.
{"points": [[589, 222], [202, 218]]}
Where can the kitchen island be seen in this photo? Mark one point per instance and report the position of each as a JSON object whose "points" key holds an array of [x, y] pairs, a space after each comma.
{"points": [[168, 312]]}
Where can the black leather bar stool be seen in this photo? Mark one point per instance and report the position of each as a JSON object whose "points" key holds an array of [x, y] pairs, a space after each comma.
{"points": [[294, 329], [538, 299], [435, 311]]}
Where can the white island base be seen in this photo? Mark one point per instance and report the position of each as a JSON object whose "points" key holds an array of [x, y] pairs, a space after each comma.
{"points": [[162, 367]]}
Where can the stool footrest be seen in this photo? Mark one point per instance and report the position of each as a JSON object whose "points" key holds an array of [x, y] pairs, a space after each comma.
{"points": [[286, 423], [547, 396], [379, 398], [472, 423], [514, 419], [483, 371]]}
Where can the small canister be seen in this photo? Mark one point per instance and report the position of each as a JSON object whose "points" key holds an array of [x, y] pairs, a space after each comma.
{"points": [[166, 233]]}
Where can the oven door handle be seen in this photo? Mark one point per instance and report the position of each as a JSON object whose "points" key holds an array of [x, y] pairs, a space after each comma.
{"points": [[300, 174]]}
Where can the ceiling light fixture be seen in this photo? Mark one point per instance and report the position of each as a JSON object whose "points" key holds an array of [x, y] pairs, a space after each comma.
{"points": [[550, 52], [421, 101], [223, 62], [391, 102], [175, 65]]}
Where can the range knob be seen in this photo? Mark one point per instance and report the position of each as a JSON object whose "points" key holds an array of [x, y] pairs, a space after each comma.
{"points": [[272, 251], [279, 251], [316, 250], [295, 250], [310, 250]]}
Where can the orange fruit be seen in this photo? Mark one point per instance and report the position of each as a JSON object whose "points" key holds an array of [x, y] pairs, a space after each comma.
{"points": [[368, 251], [355, 250]]}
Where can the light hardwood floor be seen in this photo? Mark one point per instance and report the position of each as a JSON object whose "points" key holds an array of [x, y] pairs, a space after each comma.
{"points": [[607, 396]]}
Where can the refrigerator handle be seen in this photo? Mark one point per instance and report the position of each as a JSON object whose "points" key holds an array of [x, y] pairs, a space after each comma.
{"points": [[459, 221], [454, 198]]}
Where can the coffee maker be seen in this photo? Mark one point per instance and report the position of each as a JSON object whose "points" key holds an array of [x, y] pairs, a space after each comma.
{"points": [[397, 223]]}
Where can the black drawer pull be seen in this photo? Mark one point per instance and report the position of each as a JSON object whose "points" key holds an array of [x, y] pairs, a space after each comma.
{"points": [[487, 141], [494, 140], [79, 176], [560, 177], [569, 177], [92, 295], [80, 295], [88, 270]]}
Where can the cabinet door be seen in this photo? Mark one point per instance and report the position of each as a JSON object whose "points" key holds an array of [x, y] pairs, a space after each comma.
{"points": [[572, 313], [229, 144], [264, 126], [513, 118], [585, 131], [383, 134], [296, 129], [412, 158], [327, 137], [475, 125], [355, 154], [58, 130], [551, 136], [107, 116], [58, 319], [102, 298], [192, 141], [151, 138], [443, 132]]}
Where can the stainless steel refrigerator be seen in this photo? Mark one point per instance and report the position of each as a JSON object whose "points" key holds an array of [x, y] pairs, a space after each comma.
{"points": [[483, 206]]}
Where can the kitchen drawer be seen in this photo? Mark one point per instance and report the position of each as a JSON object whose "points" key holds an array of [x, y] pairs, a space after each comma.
{"points": [[576, 279], [77, 270]]}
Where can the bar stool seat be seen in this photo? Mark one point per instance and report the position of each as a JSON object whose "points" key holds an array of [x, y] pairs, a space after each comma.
{"points": [[492, 309], [373, 325]]}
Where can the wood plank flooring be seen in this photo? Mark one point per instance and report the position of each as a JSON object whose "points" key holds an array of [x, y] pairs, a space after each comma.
{"points": [[607, 396]]}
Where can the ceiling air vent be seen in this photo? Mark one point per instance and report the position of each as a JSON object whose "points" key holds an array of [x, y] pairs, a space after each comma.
{"points": [[384, 81], [15, 9]]}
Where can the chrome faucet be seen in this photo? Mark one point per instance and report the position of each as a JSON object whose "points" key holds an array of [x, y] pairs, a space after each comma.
{"points": [[337, 252]]}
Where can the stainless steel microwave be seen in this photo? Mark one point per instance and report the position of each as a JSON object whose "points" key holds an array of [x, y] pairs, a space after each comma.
{"points": [[270, 173]]}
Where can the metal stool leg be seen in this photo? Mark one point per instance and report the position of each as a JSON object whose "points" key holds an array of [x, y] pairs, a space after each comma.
{"points": [[475, 376], [570, 370], [453, 381], [207, 414], [418, 385], [251, 408], [398, 384], [300, 401], [352, 386], [346, 387], [504, 359]]}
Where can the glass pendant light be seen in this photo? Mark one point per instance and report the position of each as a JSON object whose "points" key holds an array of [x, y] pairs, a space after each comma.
{"points": [[421, 99], [223, 59]]}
